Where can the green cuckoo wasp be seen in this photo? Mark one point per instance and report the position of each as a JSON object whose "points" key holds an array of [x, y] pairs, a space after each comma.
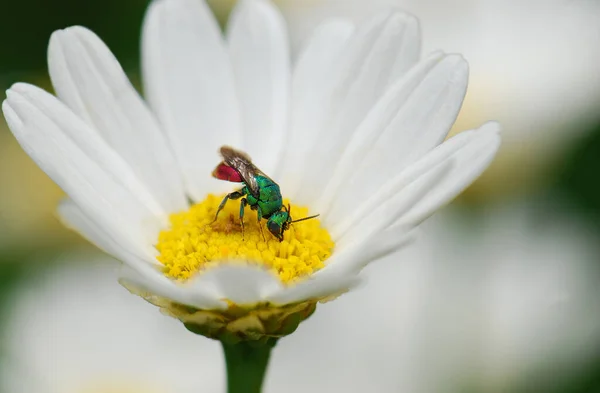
{"points": [[260, 192]]}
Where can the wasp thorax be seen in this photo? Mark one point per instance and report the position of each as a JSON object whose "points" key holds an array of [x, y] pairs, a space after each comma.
{"points": [[196, 241]]}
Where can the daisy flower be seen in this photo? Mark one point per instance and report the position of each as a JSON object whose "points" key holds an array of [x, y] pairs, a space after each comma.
{"points": [[525, 310], [351, 131]]}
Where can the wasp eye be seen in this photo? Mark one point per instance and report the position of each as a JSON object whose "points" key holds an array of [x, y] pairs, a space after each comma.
{"points": [[274, 228]]}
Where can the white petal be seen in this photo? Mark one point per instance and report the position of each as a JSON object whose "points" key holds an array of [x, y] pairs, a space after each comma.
{"points": [[354, 257], [369, 239], [146, 280], [412, 118], [409, 49], [370, 60], [242, 284], [259, 50], [378, 118], [388, 242], [312, 86], [74, 218], [142, 273], [314, 288], [407, 191], [82, 164], [189, 83], [88, 78], [470, 164], [435, 157]]}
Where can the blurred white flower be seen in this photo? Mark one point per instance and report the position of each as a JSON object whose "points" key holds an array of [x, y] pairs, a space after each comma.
{"points": [[533, 69], [354, 131], [511, 294], [73, 329], [487, 304]]}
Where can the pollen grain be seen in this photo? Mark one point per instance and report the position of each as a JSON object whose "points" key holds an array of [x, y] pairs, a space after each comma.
{"points": [[195, 242]]}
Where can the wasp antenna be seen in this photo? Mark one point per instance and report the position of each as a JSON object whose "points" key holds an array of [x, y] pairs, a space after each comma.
{"points": [[306, 218]]}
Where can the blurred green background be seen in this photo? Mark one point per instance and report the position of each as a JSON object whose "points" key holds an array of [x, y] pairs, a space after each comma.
{"points": [[32, 239]]}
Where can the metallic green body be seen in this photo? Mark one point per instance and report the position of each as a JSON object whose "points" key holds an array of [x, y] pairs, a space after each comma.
{"points": [[267, 202]]}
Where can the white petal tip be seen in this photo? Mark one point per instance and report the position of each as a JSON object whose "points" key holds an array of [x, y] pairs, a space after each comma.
{"points": [[58, 37], [491, 127], [242, 284], [457, 61], [12, 119], [397, 15], [21, 87]]}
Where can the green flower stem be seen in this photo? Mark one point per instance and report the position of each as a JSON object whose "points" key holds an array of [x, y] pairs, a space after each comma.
{"points": [[246, 365]]}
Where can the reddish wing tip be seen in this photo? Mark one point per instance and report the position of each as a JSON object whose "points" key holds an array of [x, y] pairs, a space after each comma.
{"points": [[227, 173]]}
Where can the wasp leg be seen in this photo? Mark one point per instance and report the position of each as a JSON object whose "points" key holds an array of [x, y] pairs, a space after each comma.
{"points": [[233, 195], [259, 215], [243, 204]]}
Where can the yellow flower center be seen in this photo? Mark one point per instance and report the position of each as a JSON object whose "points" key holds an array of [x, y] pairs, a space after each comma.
{"points": [[196, 242]]}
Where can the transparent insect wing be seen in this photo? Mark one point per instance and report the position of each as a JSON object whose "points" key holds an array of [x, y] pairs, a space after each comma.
{"points": [[242, 163]]}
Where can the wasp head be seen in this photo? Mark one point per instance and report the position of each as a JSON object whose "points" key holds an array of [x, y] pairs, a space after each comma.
{"points": [[278, 223]]}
